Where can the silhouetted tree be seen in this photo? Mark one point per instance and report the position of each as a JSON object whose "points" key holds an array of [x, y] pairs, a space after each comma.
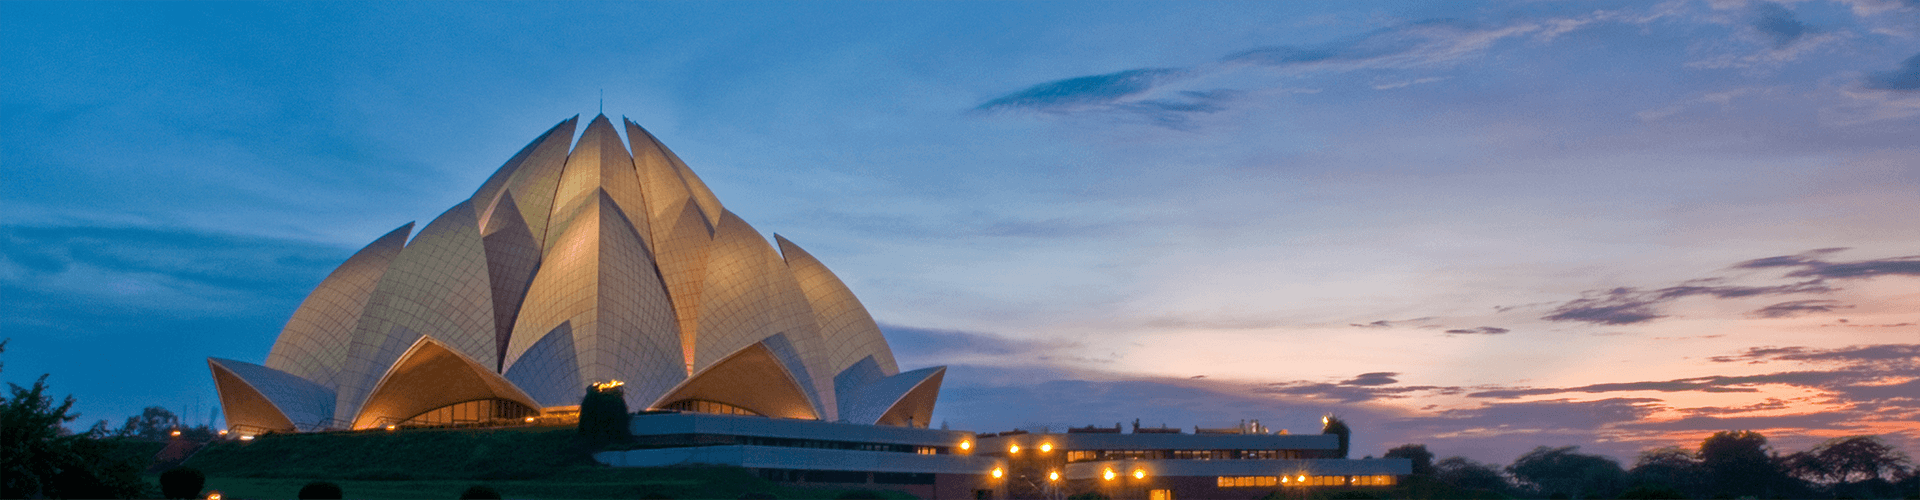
{"points": [[182, 482], [1464, 473], [1333, 425], [154, 423], [1737, 464], [1566, 471], [39, 457], [603, 414], [1671, 467], [1422, 459], [1860, 458]]}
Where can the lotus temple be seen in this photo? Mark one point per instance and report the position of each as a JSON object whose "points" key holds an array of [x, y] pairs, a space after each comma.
{"points": [[599, 262]]}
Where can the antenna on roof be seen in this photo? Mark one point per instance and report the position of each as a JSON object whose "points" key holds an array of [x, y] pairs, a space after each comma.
{"points": [[603, 101]]}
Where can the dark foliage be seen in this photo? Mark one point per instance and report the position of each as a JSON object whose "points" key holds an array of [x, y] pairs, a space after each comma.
{"points": [[1467, 474], [479, 491], [39, 457], [1422, 459], [861, 495], [603, 415], [182, 482], [1653, 491], [1670, 468], [1566, 471], [1848, 460], [1738, 464], [321, 490]]}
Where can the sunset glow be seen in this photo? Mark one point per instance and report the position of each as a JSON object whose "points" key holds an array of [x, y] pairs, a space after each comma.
{"points": [[1482, 226]]}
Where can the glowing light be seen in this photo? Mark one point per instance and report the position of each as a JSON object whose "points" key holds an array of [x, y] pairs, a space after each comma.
{"points": [[997, 472], [603, 386], [1109, 475], [391, 427], [1046, 447], [213, 496], [1053, 476], [175, 433], [246, 438], [1303, 479], [1285, 479], [966, 445], [529, 420], [223, 432], [1139, 474], [1013, 449], [1326, 419]]}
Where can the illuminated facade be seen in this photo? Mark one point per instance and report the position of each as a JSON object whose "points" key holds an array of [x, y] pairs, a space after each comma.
{"points": [[1164, 464], [576, 263]]}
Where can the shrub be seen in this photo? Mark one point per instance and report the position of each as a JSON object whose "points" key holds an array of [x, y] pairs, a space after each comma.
{"points": [[182, 482], [603, 414]]}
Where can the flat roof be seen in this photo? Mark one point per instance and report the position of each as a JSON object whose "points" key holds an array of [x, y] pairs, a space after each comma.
{"points": [[1165, 441], [1308, 467]]}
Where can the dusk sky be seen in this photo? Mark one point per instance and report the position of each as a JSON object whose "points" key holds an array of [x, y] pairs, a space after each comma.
{"points": [[1481, 226]]}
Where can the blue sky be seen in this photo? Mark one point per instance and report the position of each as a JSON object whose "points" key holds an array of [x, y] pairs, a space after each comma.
{"points": [[1484, 226]]}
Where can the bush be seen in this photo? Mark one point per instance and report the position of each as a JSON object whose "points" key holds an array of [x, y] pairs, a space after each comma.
{"points": [[321, 489], [479, 491], [182, 482], [603, 414], [861, 495]]}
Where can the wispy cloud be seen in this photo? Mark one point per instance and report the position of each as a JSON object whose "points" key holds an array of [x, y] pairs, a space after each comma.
{"points": [[1149, 92], [1778, 24], [1485, 330], [1797, 308], [1627, 305], [1904, 78], [1810, 264]]}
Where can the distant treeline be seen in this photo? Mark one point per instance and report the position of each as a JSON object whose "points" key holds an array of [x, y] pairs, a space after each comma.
{"points": [[1729, 464]]}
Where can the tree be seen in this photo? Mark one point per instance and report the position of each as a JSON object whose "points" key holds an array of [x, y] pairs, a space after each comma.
{"points": [[154, 424], [1422, 459], [1859, 458], [1738, 464], [1672, 467], [1333, 425], [1467, 474], [39, 457], [1566, 471]]}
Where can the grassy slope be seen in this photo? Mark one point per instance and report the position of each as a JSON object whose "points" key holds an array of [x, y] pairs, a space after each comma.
{"points": [[536, 462]]}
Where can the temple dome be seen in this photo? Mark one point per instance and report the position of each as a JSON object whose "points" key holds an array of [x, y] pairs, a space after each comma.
{"points": [[577, 262]]}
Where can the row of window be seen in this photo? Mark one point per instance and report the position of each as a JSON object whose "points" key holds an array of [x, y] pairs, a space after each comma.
{"points": [[1302, 480], [471, 412], [1097, 455], [838, 445]]}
